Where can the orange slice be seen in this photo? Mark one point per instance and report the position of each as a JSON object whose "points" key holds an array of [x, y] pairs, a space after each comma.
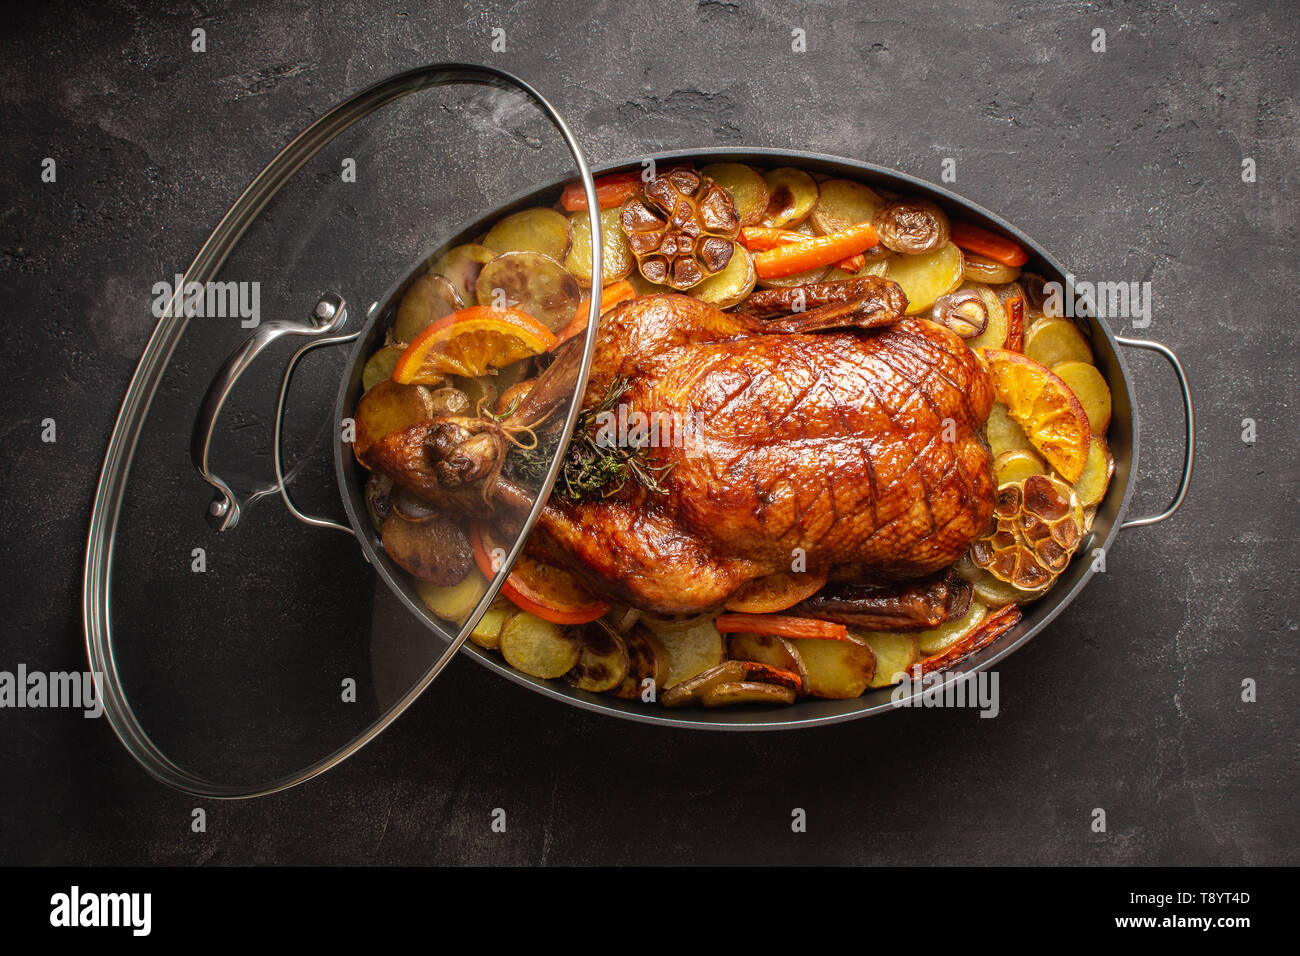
{"points": [[468, 341], [1043, 405]]}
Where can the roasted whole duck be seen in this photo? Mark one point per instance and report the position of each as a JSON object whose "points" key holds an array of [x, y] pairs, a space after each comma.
{"points": [[846, 440]]}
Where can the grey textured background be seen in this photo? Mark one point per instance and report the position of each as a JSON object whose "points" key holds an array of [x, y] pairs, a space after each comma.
{"points": [[1125, 164]]}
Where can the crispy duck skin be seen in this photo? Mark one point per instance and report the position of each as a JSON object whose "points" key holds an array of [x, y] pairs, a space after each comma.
{"points": [[858, 446], [767, 303], [891, 606]]}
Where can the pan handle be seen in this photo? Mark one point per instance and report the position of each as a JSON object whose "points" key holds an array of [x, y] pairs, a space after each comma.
{"points": [[330, 313], [1191, 429]]}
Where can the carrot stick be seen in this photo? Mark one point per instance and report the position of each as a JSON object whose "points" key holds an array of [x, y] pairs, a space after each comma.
{"points": [[781, 625], [985, 243], [610, 296], [1015, 307], [611, 191], [761, 238], [788, 259]]}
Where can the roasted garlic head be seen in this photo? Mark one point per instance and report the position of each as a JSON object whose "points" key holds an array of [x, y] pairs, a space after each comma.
{"points": [[1038, 524], [681, 227]]}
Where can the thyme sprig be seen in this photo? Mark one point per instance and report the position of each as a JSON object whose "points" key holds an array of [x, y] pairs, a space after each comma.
{"points": [[591, 469]]}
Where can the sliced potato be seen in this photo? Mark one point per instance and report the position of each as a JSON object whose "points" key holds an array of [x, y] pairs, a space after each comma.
{"points": [[977, 268], [837, 669], [748, 189], [434, 549], [647, 660], [792, 195], [386, 408], [617, 259], [689, 690], [691, 649], [1090, 388], [925, 277], [940, 638], [1050, 342], [461, 265], [995, 331], [533, 230], [533, 283], [430, 298], [770, 650], [603, 663], [455, 602], [731, 674], [1092, 484], [487, 632], [380, 366], [1017, 465], [844, 203], [895, 652], [539, 648], [730, 286], [1004, 434], [746, 692]]}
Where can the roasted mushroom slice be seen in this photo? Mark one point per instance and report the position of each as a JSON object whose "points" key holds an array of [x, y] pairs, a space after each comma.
{"points": [[1038, 524], [963, 311], [912, 226], [681, 228]]}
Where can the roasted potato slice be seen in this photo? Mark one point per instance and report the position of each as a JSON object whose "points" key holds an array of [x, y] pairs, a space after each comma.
{"points": [[940, 638], [977, 268], [895, 651], [925, 277], [461, 265], [843, 203], [455, 602], [434, 549], [792, 195], [731, 673], [430, 298], [730, 286], [1092, 484], [836, 669], [380, 366], [746, 692], [532, 282], [748, 189], [487, 632], [533, 230], [768, 649], [992, 627], [386, 408], [1090, 388], [603, 664], [539, 648], [618, 260], [691, 649], [647, 660], [1004, 434], [1017, 465], [1050, 342]]}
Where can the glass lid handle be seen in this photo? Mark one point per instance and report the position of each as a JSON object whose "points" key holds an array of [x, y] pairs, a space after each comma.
{"points": [[329, 315]]}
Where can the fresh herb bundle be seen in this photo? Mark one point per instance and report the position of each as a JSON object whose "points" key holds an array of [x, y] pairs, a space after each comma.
{"points": [[591, 470]]}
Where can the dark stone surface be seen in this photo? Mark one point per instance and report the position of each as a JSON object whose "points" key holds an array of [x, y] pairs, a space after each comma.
{"points": [[1126, 164]]}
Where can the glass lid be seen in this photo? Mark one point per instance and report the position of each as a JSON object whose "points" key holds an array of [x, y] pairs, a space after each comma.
{"points": [[341, 431]]}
